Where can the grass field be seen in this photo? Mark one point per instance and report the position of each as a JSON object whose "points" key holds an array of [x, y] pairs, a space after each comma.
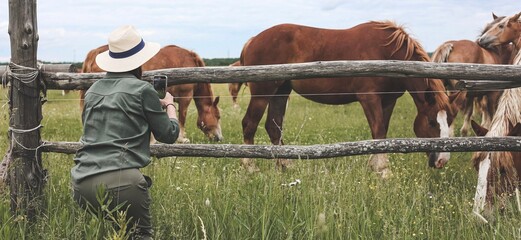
{"points": [[338, 198]]}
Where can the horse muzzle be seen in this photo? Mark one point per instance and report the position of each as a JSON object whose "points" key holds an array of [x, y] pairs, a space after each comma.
{"points": [[486, 42], [438, 160], [215, 136]]}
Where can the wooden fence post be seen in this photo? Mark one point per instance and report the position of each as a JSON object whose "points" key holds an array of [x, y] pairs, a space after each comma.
{"points": [[25, 174]]}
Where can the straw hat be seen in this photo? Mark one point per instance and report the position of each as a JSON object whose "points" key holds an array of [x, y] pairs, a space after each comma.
{"points": [[127, 51]]}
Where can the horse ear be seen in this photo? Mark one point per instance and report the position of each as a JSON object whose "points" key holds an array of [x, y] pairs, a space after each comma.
{"points": [[478, 130], [216, 101], [494, 16], [429, 96], [514, 18], [516, 131]]}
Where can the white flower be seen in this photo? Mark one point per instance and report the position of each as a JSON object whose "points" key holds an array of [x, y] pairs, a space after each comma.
{"points": [[291, 184], [207, 202]]}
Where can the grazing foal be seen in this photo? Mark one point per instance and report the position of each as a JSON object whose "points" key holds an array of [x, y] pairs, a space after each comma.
{"points": [[172, 56], [498, 172]]}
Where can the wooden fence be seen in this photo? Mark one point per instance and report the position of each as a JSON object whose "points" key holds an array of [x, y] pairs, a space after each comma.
{"points": [[502, 76], [26, 179]]}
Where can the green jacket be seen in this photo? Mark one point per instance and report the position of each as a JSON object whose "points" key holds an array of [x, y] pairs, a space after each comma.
{"points": [[120, 113]]}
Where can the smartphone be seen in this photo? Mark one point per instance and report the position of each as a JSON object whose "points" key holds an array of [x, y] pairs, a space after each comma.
{"points": [[160, 83]]}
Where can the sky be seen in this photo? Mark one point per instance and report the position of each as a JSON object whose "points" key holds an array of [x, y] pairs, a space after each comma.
{"points": [[68, 29]]}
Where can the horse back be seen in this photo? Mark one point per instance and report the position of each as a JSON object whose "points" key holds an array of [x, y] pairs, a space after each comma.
{"points": [[172, 56], [291, 43]]}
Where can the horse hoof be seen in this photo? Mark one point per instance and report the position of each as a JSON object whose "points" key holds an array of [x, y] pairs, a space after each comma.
{"points": [[183, 140], [378, 162], [249, 165], [464, 132], [283, 164], [385, 173], [252, 169]]}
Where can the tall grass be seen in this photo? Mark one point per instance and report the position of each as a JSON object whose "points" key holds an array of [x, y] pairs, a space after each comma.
{"points": [[213, 198]]}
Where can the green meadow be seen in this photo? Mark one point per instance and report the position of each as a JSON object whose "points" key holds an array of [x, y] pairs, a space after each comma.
{"points": [[214, 198]]}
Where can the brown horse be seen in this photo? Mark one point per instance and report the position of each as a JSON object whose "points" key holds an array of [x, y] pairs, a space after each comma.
{"points": [[498, 172], [172, 56], [288, 43], [505, 31], [466, 51]]}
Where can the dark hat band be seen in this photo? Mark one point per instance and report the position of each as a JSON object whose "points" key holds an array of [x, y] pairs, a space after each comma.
{"points": [[129, 52]]}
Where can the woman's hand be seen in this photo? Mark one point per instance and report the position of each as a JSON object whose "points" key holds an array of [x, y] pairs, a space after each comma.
{"points": [[170, 110], [167, 100]]}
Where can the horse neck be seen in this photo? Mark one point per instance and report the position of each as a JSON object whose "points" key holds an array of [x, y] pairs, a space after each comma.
{"points": [[516, 53], [506, 53], [203, 96], [417, 88], [517, 43]]}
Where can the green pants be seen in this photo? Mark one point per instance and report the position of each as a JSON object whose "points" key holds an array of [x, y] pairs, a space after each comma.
{"points": [[127, 186]]}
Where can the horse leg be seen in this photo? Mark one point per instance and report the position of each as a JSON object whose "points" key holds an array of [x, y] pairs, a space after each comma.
{"points": [[388, 107], [184, 102], [234, 88], [250, 122], [468, 109], [488, 111], [274, 121], [374, 112]]}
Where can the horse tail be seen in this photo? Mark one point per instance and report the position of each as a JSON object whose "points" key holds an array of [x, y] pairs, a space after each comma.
{"points": [[199, 62], [87, 63], [90, 59], [400, 38], [241, 58], [441, 54]]}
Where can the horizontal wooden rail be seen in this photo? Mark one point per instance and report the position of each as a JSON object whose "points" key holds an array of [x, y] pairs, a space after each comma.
{"points": [[396, 145], [49, 68], [398, 69]]}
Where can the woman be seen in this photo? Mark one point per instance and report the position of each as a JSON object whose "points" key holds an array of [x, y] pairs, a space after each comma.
{"points": [[120, 113]]}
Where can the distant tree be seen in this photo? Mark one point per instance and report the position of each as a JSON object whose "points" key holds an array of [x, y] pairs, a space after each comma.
{"points": [[219, 61]]}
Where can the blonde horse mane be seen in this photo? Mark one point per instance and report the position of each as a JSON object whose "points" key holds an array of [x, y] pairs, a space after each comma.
{"points": [[508, 114], [399, 36]]}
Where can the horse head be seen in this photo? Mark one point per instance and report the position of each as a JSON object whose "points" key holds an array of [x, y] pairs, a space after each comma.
{"points": [[434, 119], [502, 31], [208, 121], [497, 173]]}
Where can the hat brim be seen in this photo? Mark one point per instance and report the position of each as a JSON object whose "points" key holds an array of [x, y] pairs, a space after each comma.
{"points": [[109, 64]]}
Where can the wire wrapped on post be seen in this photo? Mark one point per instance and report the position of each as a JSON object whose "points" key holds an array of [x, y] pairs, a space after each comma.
{"points": [[20, 78], [27, 76]]}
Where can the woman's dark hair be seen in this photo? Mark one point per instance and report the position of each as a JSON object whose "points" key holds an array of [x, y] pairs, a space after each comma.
{"points": [[138, 72]]}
